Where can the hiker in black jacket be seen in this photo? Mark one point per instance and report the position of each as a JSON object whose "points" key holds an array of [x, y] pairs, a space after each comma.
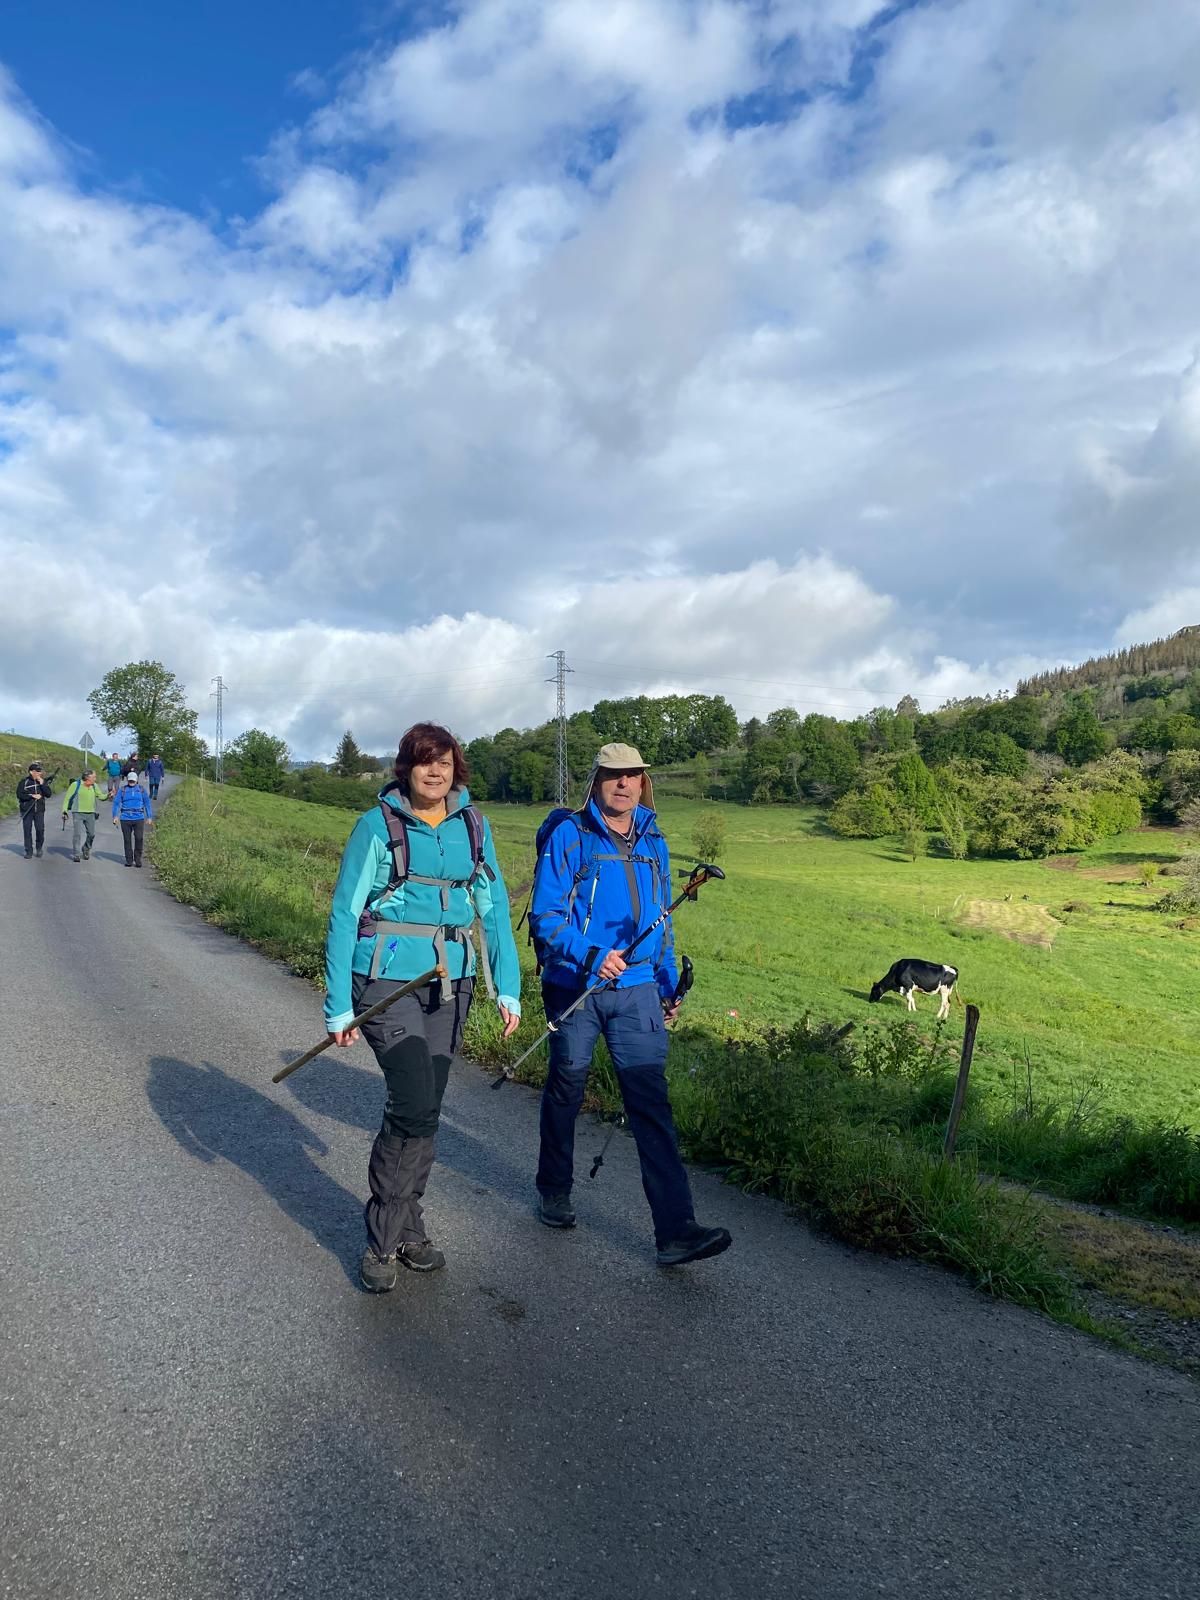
{"points": [[32, 793]]}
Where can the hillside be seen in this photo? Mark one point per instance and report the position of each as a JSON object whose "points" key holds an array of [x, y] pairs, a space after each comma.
{"points": [[17, 751], [1174, 657]]}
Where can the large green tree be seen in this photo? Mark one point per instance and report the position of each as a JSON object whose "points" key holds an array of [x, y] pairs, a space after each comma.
{"points": [[145, 698], [257, 760], [349, 760]]}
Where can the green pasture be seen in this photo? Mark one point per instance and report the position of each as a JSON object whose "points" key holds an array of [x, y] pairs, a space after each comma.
{"points": [[17, 751], [804, 923]]}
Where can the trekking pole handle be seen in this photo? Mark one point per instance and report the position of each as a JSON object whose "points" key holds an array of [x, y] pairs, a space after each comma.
{"points": [[699, 876], [357, 1022]]}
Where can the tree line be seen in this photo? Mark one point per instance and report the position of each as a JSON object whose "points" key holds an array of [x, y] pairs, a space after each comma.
{"points": [[1025, 774]]}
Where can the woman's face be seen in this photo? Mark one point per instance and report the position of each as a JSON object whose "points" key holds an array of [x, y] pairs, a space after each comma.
{"points": [[430, 782]]}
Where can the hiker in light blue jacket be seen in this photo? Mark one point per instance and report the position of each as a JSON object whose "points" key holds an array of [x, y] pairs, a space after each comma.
{"points": [[418, 872]]}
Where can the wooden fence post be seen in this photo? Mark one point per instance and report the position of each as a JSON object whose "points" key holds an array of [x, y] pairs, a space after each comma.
{"points": [[960, 1088]]}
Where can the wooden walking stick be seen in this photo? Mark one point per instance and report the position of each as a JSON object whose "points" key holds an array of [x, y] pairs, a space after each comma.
{"points": [[357, 1022]]}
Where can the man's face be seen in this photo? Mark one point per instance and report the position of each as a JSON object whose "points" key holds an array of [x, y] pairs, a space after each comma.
{"points": [[619, 791], [89, 778], [36, 774]]}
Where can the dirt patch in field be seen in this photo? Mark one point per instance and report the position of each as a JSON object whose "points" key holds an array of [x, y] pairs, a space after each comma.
{"points": [[1117, 873], [1022, 920]]}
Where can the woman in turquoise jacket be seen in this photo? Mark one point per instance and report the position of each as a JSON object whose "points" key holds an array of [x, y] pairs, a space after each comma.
{"points": [[419, 872]]}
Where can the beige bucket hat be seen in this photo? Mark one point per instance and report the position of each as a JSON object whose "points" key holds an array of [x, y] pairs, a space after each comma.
{"points": [[618, 758]]}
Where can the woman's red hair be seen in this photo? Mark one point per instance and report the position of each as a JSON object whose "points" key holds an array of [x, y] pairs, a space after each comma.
{"points": [[425, 742]]}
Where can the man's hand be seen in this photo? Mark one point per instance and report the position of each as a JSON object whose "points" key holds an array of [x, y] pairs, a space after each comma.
{"points": [[344, 1036], [612, 966], [671, 1011], [511, 1021]]}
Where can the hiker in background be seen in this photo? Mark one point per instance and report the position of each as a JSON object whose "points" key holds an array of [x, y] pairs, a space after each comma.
{"points": [[418, 871], [32, 793], [112, 768], [132, 810], [131, 766], [80, 801], [603, 876], [154, 773]]}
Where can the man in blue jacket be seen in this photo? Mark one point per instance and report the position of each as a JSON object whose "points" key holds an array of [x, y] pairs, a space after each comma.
{"points": [[604, 876], [132, 810], [154, 774]]}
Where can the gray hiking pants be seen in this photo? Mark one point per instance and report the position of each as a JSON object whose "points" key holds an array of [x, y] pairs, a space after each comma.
{"points": [[83, 822], [414, 1042]]}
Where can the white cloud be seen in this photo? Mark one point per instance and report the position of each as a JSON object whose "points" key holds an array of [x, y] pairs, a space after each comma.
{"points": [[890, 390]]}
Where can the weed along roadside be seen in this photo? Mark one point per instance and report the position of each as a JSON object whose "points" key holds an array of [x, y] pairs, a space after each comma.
{"points": [[848, 1126]]}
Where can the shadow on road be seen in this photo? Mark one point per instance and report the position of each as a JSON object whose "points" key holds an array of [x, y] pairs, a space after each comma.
{"points": [[214, 1116]]}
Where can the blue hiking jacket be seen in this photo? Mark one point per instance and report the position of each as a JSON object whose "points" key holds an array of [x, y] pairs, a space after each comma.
{"points": [[131, 803], [584, 902], [441, 852]]}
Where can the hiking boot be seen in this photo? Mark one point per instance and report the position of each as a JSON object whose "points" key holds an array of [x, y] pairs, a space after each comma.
{"points": [[138, 865], [87, 850], [378, 1275], [38, 854], [694, 1244], [556, 1210], [76, 858], [422, 1257], [29, 855]]}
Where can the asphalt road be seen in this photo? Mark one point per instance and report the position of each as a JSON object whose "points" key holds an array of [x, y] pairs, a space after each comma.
{"points": [[198, 1401]]}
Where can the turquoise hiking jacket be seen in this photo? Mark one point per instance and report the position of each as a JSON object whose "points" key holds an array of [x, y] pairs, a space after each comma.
{"points": [[441, 852]]}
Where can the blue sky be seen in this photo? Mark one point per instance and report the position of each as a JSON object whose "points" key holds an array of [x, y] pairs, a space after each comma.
{"points": [[174, 101], [807, 351]]}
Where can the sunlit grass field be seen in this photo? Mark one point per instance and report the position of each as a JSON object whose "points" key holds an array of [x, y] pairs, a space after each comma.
{"points": [[806, 922]]}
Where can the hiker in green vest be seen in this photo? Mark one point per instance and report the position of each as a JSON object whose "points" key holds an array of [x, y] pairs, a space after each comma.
{"points": [[80, 801]]}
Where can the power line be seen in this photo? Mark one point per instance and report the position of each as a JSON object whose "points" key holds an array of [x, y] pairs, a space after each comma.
{"points": [[764, 699], [560, 679], [640, 674]]}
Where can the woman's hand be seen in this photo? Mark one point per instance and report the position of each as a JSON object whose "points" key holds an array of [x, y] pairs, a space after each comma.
{"points": [[510, 1020], [344, 1036]]}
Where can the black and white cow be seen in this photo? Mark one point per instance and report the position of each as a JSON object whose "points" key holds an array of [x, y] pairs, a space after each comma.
{"points": [[928, 976]]}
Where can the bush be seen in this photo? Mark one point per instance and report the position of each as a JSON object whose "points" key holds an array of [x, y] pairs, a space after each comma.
{"points": [[708, 836], [845, 1132], [1186, 898]]}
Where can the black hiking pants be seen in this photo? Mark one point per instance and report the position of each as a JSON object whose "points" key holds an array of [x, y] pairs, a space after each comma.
{"points": [[414, 1042], [134, 834], [33, 825]]}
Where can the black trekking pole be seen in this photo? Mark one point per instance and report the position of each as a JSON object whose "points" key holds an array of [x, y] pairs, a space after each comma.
{"points": [[700, 874], [687, 976]]}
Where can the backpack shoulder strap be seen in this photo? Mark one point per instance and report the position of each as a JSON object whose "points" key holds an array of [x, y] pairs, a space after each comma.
{"points": [[473, 818], [398, 847]]}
